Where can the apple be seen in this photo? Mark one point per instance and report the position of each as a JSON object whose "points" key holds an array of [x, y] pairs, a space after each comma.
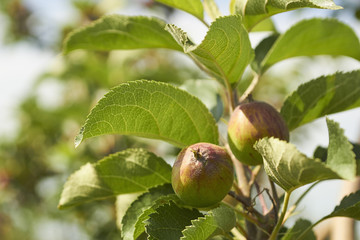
{"points": [[250, 122], [202, 175]]}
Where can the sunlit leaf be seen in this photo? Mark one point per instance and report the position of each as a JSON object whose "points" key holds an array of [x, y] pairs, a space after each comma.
{"points": [[266, 25], [257, 10], [314, 37], [224, 53], [291, 169], [193, 7], [340, 156], [322, 96], [215, 222], [288, 167], [321, 153], [129, 171], [113, 32], [153, 110], [211, 9]]}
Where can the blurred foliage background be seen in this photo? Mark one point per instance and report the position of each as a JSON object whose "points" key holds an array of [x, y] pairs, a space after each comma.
{"points": [[35, 163]]}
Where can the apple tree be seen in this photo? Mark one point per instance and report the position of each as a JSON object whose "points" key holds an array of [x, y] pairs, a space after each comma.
{"points": [[176, 202]]}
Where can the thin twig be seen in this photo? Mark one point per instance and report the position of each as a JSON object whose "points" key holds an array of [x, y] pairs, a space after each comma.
{"points": [[261, 198], [238, 198], [250, 88], [230, 96], [273, 203], [275, 195], [242, 180]]}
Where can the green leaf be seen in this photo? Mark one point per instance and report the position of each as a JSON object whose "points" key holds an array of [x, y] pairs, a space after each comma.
{"points": [[113, 32], [153, 110], [321, 153], [136, 209], [211, 9], [129, 171], [141, 221], [257, 10], [122, 203], [262, 49], [217, 221], [348, 207], [340, 156], [224, 53], [288, 167], [300, 226], [320, 97], [314, 37], [265, 26], [169, 221], [193, 7]]}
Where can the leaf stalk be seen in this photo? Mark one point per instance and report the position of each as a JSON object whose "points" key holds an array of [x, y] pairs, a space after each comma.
{"points": [[282, 216], [250, 88]]}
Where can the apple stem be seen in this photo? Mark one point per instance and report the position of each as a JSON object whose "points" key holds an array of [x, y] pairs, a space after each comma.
{"points": [[250, 98], [250, 88], [242, 180], [196, 153]]}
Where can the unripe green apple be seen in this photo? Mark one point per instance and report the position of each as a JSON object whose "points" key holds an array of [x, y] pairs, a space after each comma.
{"points": [[202, 174], [250, 122]]}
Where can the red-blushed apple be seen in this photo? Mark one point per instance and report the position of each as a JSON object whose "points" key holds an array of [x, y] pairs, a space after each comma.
{"points": [[250, 122], [202, 174]]}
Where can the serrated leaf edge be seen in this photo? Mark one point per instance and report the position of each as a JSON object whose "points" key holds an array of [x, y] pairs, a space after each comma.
{"points": [[80, 137], [262, 64], [97, 21], [140, 198], [303, 85]]}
